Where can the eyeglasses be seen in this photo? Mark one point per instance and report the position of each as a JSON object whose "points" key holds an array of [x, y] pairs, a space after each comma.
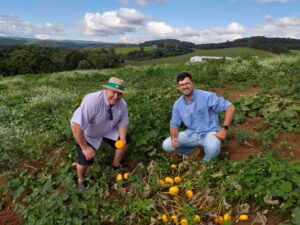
{"points": [[110, 114]]}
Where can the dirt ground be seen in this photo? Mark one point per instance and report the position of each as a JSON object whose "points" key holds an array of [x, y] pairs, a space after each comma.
{"points": [[290, 150]]}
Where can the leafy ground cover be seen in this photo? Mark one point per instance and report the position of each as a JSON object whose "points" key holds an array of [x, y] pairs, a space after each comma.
{"points": [[36, 181]]}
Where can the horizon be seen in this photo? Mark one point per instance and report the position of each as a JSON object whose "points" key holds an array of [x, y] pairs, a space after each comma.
{"points": [[137, 21]]}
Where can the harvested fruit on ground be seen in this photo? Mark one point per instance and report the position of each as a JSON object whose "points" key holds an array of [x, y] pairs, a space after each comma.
{"points": [[227, 217], [174, 190], [177, 179], [174, 218], [119, 177], [169, 180], [161, 182], [126, 176], [197, 218], [184, 222], [219, 219], [119, 144], [244, 217], [189, 193], [164, 218], [173, 166]]}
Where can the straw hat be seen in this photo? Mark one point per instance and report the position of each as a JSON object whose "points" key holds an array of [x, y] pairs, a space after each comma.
{"points": [[115, 84]]}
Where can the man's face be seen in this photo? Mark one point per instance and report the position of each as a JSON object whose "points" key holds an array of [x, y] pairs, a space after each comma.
{"points": [[186, 86], [112, 96]]}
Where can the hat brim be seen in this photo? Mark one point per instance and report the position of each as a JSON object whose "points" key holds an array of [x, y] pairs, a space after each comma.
{"points": [[115, 89]]}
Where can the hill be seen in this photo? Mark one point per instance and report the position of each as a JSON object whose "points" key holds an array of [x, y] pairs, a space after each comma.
{"points": [[276, 45], [7, 41]]}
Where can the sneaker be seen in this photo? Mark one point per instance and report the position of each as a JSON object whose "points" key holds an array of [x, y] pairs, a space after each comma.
{"points": [[83, 186]]}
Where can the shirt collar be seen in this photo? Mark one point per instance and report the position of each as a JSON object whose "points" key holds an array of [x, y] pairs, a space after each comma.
{"points": [[192, 99]]}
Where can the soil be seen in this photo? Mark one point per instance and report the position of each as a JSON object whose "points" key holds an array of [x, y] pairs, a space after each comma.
{"points": [[8, 216], [289, 143], [232, 93]]}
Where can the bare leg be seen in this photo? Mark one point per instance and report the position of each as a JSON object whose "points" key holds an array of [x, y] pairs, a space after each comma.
{"points": [[81, 171], [119, 154]]}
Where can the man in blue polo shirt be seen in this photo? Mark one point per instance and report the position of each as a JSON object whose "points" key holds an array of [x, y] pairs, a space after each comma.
{"points": [[199, 111], [102, 115]]}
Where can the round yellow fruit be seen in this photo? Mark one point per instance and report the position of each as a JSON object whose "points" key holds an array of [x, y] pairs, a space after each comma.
{"points": [[169, 180], [119, 144], [189, 193], [184, 222], [126, 176], [177, 179], [174, 218], [197, 218], [74, 164], [244, 217], [119, 177], [162, 182], [219, 219], [174, 190], [173, 166], [226, 217], [164, 218]]}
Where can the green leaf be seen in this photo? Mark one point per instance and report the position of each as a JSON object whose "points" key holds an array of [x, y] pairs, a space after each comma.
{"points": [[286, 186]]}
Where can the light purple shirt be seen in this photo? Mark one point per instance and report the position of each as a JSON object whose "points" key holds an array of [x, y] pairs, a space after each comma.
{"points": [[92, 116]]}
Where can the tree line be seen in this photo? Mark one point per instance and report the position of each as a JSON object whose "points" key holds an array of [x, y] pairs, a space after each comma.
{"points": [[46, 59], [275, 45], [24, 59]]}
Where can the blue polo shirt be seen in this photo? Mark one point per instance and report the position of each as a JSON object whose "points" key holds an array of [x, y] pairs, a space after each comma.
{"points": [[201, 114]]}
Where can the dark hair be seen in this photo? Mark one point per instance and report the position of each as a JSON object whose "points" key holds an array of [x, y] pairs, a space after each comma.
{"points": [[181, 76]]}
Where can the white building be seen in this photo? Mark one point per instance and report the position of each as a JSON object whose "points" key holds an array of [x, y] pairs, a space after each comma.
{"points": [[196, 59]]}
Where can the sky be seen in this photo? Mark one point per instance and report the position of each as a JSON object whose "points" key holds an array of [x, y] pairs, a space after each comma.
{"points": [[136, 21]]}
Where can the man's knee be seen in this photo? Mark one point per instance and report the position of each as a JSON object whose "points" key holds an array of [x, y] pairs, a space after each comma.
{"points": [[167, 145]]}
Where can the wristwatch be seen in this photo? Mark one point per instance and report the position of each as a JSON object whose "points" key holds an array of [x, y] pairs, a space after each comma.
{"points": [[225, 127]]}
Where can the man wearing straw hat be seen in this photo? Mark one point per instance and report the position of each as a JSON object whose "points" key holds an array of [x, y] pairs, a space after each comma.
{"points": [[102, 115]]}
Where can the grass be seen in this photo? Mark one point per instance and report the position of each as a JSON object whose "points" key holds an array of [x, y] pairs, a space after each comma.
{"points": [[226, 52], [125, 50]]}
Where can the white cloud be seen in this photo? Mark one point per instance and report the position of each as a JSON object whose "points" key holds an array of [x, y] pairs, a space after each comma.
{"points": [[271, 1], [142, 2], [282, 27], [216, 34], [113, 22], [12, 25], [41, 36]]}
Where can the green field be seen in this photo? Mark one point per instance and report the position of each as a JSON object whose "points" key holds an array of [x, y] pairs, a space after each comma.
{"points": [[125, 50], [37, 147], [226, 52]]}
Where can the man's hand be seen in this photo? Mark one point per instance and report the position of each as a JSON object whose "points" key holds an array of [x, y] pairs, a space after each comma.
{"points": [[88, 152], [221, 134], [174, 142]]}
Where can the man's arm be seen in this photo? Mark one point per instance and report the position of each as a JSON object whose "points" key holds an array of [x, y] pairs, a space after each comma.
{"points": [[123, 133], [229, 112], [78, 134], [174, 136]]}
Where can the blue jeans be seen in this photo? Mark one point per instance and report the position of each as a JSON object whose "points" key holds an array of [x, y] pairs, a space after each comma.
{"points": [[187, 144]]}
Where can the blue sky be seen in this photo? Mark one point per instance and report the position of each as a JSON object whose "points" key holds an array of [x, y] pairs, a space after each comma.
{"points": [[136, 21]]}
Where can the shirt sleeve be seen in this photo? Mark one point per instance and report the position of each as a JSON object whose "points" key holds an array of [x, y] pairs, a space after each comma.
{"points": [[217, 104], [83, 114], [124, 120], [176, 118]]}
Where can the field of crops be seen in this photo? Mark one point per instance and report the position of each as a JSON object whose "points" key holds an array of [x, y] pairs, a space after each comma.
{"points": [[226, 52], [257, 174]]}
